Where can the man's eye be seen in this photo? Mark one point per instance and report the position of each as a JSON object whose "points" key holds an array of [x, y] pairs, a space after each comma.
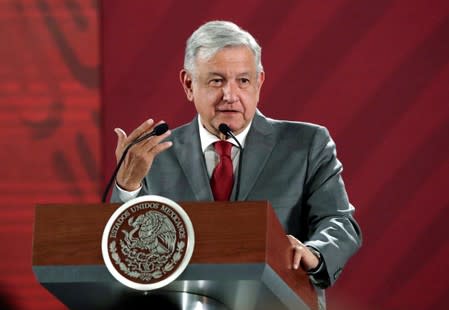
{"points": [[244, 81], [216, 82]]}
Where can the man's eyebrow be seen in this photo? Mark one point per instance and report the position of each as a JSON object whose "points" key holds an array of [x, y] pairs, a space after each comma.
{"points": [[221, 74], [215, 73]]}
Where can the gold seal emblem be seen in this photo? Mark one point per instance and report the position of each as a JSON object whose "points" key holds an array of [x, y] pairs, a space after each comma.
{"points": [[148, 242]]}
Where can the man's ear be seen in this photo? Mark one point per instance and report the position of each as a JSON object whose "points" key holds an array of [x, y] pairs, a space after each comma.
{"points": [[186, 81], [260, 79]]}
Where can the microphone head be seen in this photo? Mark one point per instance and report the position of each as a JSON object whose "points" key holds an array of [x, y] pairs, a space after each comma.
{"points": [[224, 129], [160, 129]]}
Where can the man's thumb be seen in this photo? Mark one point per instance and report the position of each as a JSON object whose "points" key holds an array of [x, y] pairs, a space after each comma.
{"points": [[121, 136]]}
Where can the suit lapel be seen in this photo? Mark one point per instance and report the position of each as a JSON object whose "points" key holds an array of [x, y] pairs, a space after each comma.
{"points": [[258, 147], [187, 147]]}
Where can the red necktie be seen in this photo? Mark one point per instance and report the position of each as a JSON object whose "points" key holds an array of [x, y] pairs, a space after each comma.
{"points": [[222, 179]]}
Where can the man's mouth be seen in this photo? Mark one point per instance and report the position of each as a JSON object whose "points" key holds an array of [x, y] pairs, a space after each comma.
{"points": [[228, 111]]}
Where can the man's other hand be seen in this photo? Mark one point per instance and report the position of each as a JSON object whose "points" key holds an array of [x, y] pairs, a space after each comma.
{"points": [[140, 157], [302, 256]]}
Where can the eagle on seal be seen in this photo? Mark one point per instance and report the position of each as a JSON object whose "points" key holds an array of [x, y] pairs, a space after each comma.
{"points": [[155, 233]]}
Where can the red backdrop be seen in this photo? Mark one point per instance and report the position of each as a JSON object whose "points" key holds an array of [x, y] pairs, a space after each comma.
{"points": [[49, 128], [375, 73]]}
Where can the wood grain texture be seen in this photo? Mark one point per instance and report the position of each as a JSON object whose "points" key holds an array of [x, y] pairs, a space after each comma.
{"points": [[71, 234]]}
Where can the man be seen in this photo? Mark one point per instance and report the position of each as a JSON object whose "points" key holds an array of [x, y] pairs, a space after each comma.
{"points": [[291, 164]]}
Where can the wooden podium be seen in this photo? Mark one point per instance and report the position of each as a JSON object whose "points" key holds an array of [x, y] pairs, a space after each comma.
{"points": [[241, 259]]}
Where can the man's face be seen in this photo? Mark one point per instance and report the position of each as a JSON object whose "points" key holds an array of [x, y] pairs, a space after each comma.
{"points": [[225, 88]]}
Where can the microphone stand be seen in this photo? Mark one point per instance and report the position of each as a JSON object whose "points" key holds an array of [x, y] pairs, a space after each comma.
{"points": [[224, 129]]}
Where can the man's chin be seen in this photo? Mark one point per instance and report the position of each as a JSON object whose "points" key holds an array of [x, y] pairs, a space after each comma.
{"points": [[235, 128], [234, 122]]}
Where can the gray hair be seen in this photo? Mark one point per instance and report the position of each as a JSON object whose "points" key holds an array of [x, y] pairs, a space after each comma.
{"points": [[213, 36]]}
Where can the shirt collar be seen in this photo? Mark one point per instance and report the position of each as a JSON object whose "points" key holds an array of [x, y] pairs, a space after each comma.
{"points": [[207, 138]]}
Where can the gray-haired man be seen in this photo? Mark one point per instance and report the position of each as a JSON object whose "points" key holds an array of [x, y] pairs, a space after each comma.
{"points": [[291, 164]]}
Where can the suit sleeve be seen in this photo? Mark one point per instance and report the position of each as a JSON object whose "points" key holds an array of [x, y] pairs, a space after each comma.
{"points": [[332, 228]]}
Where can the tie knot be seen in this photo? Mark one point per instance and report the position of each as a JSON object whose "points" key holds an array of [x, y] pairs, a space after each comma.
{"points": [[223, 148]]}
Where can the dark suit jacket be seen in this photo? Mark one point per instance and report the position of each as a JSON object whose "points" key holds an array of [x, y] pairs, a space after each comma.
{"points": [[291, 164]]}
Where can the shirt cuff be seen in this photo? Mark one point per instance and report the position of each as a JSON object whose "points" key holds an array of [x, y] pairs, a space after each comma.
{"points": [[125, 195], [319, 267], [316, 275]]}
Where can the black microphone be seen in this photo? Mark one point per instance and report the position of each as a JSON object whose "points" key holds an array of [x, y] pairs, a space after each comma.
{"points": [[224, 129], [157, 131]]}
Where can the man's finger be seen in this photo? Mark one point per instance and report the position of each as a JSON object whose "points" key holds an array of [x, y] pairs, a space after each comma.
{"points": [[298, 254], [293, 240], [144, 127], [161, 147], [121, 136], [153, 141]]}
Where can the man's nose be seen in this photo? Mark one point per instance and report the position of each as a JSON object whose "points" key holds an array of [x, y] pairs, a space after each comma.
{"points": [[230, 92]]}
